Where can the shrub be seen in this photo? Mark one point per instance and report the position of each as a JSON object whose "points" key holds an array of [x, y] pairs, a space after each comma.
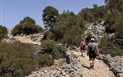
{"points": [[26, 26], [3, 32], [111, 46], [16, 59], [48, 35], [44, 60], [73, 36], [19, 59], [58, 52], [50, 47]]}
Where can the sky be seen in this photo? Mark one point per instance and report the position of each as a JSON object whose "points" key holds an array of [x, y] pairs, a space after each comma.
{"points": [[13, 11]]}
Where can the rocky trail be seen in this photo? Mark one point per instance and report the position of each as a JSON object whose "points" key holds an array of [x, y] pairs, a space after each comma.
{"points": [[100, 68], [78, 67]]}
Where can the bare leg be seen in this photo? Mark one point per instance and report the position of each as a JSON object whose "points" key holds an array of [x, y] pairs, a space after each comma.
{"points": [[81, 52], [92, 62]]}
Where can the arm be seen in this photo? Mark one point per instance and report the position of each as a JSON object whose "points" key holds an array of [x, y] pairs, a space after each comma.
{"points": [[97, 49], [87, 50]]}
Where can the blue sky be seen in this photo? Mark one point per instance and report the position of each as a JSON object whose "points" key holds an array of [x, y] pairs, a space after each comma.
{"points": [[13, 11]]}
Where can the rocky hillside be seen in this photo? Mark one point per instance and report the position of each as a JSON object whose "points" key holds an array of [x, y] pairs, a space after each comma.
{"points": [[74, 65]]}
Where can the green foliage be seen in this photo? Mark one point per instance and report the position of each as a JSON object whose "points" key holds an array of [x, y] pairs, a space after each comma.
{"points": [[48, 35], [73, 36], [114, 5], [16, 59], [114, 23], [64, 27], [111, 46], [58, 52], [20, 59], [93, 14], [45, 60], [49, 15], [50, 47], [26, 26], [114, 18], [3, 29], [27, 20], [3, 32]]}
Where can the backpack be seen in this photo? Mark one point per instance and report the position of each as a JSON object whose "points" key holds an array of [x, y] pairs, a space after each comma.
{"points": [[82, 45], [92, 48]]}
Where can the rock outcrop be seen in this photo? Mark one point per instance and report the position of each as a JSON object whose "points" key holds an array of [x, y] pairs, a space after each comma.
{"points": [[34, 38], [115, 63], [97, 29]]}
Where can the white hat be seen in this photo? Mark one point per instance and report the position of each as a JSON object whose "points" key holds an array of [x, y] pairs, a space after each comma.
{"points": [[92, 39], [92, 33]]}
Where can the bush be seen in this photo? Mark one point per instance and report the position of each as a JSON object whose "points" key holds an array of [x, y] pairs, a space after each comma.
{"points": [[3, 32], [111, 46], [26, 26], [58, 52], [45, 60], [20, 59], [16, 59], [73, 36], [48, 35], [50, 47]]}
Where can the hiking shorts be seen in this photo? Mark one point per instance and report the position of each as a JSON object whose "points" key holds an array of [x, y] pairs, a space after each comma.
{"points": [[92, 55], [82, 48]]}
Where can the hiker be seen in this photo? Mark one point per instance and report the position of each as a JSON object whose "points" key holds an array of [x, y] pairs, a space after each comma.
{"points": [[92, 52], [82, 47]]}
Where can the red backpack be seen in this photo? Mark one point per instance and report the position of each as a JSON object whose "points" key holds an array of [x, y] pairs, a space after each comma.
{"points": [[82, 44]]}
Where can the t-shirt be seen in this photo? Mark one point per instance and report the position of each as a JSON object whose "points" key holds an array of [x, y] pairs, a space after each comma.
{"points": [[82, 44]]}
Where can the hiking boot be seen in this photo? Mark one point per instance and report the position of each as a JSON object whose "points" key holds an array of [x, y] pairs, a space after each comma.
{"points": [[91, 66]]}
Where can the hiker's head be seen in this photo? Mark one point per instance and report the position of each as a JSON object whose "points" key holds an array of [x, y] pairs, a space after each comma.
{"points": [[91, 33], [92, 40]]}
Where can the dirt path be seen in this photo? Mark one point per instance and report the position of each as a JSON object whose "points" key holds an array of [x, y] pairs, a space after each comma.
{"points": [[100, 69]]}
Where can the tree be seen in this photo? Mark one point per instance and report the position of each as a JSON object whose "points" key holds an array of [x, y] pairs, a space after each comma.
{"points": [[86, 14], [27, 20], [114, 18], [68, 24], [114, 5], [73, 36], [50, 15], [26, 26], [3, 32]]}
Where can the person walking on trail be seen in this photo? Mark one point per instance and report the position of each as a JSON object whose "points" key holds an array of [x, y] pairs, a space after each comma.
{"points": [[93, 51], [82, 47]]}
